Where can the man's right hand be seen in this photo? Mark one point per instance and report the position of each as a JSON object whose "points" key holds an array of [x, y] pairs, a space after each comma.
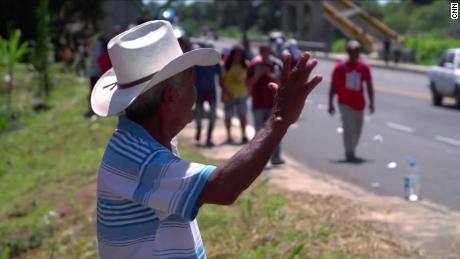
{"points": [[294, 89]]}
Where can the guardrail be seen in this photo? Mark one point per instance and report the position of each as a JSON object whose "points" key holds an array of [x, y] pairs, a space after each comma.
{"points": [[303, 45]]}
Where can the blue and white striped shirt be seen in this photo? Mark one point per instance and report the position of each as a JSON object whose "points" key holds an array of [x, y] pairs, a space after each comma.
{"points": [[146, 198]]}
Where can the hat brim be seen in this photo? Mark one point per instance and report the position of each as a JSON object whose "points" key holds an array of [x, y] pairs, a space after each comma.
{"points": [[108, 99]]}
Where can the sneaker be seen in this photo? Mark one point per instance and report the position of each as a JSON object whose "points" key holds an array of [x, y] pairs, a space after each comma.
{"points": [[209, 143], [229, 141], [244, 140], [354, 159], [89, 114]]}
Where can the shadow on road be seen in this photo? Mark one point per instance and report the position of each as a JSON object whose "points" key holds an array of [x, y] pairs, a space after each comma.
{"points": [[357, 161], [449, 107]]}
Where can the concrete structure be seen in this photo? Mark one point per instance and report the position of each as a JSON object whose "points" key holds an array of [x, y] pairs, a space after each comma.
{"points": [[311, 20], [305, 20]]}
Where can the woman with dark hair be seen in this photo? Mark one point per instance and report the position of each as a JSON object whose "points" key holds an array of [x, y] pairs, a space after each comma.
{"points": [[234, 91]]}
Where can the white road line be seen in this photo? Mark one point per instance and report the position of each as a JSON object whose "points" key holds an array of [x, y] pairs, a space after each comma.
{"points": [[321, 106], [400, 127], [447, 140]]}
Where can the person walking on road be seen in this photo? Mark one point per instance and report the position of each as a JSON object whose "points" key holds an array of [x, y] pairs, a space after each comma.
{"points": [[206, 92], [348, 79], [148, 197], [235, 92], [262, 71]]}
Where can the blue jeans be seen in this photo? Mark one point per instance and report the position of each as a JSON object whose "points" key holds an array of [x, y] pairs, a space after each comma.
{"points": [[199, 114]]}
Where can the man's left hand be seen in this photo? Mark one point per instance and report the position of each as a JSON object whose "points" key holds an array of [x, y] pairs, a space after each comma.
{"points": [[371, 108]]}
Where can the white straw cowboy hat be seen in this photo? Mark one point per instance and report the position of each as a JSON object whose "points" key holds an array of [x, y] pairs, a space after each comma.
{"points": [[142, 57]]}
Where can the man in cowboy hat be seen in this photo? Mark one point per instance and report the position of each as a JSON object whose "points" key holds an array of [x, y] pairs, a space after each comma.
{"points": [[148, 197]]}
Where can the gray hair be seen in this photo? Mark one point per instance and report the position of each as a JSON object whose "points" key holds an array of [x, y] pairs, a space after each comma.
{"points": [[147, 103]]}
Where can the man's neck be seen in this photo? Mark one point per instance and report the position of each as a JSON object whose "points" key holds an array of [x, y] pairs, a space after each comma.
{"points": [[157, 130], [267, 61], [352, 62]]}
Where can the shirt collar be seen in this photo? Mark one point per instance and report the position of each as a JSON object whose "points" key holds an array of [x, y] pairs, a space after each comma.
{"points": [[125, 124]]}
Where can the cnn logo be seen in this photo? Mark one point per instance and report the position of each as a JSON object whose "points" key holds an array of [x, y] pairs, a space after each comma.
{"points": [[454, 11]]}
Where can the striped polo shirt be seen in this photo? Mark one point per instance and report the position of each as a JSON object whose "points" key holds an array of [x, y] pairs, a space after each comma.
{"points": [[147, 198]]}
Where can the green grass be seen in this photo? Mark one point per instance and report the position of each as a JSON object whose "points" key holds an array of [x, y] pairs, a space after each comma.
{"points": [[339, 45], [45, 156], [49, 162], [429, 50]]}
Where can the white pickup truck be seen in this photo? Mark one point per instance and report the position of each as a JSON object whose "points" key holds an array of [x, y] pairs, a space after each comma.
{"points": [[445, 77]]}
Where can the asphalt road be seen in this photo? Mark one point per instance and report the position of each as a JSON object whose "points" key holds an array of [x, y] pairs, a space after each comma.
{"points": [[404, 125]]}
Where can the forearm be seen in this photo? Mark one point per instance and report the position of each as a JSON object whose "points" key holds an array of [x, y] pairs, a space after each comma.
{"points": [[332, 92], [251, 81], [223, 87], [230, 180], [370, 92]]}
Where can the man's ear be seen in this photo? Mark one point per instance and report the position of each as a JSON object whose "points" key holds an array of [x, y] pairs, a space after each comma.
{"points": [[169, 98]]}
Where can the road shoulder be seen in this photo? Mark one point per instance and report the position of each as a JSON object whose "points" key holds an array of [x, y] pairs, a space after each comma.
{"points": [[432, 228]]}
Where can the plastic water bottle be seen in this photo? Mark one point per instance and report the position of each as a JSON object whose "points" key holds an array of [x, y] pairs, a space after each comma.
{"points": [[412, 181]]}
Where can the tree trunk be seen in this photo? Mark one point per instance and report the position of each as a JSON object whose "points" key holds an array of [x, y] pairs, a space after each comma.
{"points": [[10, 90], [46, 83]]}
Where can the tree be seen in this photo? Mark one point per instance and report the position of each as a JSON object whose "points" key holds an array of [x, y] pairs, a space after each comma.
{"points": [[423, 2], [42, 47], [11, 52], [22, 15]]}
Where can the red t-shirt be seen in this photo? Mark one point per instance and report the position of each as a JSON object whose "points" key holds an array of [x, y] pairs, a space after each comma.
{"points": [[350, 83], [262, 96]]}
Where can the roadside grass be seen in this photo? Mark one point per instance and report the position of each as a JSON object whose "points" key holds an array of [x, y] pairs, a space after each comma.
{"points": [[47, 202], [46, 157], [267, 222]]}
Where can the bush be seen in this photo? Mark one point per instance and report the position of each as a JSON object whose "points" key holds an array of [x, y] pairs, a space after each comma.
{"points": [[429, 50], [231, 32], [339, 45], [192, 28]]}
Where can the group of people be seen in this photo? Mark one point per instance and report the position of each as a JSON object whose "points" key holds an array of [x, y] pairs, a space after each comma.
{"points": [[238, 79], [147, 196]]}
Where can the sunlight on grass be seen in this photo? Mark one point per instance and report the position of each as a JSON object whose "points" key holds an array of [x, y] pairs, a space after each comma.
{"points": [[47, 201]]}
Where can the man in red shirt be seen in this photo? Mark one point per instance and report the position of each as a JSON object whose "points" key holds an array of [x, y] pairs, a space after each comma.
{"points": [[264, 69], [347, 82]]}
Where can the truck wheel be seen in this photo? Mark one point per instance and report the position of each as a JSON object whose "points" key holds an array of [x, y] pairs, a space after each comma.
{"points": [[457, 97], [436, 98]]}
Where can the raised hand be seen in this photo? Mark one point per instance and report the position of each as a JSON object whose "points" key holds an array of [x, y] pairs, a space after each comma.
{"points": [[295, 88]]}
